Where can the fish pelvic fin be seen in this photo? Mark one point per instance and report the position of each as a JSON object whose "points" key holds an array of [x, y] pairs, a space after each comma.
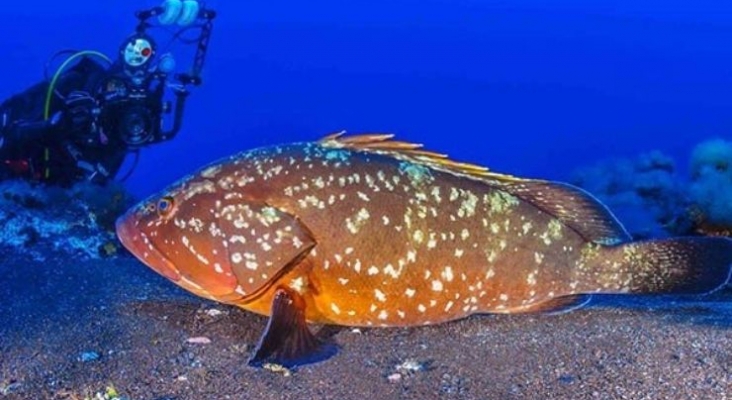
{"points": [[681, 265], [287, 340]]}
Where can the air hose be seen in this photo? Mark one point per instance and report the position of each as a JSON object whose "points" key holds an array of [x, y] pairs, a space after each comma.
{"points": [[59, 71]]}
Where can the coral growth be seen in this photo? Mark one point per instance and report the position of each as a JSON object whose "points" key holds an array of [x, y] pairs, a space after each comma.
{"points": [[652, 199], [642, 192], [711, 182], [78, 221]]}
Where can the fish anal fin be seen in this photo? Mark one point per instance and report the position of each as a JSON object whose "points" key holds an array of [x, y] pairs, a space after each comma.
{"points": [[287, 340], [384, 144], [559, 305], [573, 207]]}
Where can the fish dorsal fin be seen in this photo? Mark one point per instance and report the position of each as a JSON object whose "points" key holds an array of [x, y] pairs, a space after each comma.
{"points": [[571, 205], [383, 143], [574, 207]]}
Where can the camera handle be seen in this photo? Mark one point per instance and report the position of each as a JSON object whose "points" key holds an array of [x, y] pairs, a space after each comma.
{"points": [[181, 94]]}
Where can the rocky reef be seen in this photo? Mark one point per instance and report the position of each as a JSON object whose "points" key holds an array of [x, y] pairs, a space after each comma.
{"points": [[78, 221], [653, 197]]}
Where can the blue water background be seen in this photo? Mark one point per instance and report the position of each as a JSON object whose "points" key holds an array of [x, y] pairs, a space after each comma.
{"points": [[526, 87]]}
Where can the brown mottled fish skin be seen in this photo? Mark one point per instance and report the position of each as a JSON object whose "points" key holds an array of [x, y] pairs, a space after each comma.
{"points": [[375, 232]]}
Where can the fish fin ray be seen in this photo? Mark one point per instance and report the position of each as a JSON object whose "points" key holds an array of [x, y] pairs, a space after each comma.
{"points": [[287, 340], [559, 305], [574, 207], [382, 143]]}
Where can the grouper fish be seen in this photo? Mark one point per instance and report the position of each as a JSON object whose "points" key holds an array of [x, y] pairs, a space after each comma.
{"points": [[368, 231]]}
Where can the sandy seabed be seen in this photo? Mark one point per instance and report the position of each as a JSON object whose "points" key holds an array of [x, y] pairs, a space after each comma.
{"points": [[69, 329]]}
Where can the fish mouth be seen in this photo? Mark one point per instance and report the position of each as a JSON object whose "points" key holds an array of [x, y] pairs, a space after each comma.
{"points": [[138, 244]]}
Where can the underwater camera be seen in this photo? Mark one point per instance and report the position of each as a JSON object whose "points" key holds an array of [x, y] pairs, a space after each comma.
{"points": [[83, 121]]}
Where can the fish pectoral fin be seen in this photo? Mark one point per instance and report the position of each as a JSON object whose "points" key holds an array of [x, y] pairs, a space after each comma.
{"points": [[559, 305], [287, 340]]}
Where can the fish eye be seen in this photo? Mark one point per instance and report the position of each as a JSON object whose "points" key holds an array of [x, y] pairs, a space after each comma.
{"points": [[164, 206]]}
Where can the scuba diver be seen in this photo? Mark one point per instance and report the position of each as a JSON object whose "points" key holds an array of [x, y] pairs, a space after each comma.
{"points": [[81, 123]]}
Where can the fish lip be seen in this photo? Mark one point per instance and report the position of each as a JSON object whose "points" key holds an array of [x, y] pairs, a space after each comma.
{"points": [[132, 240]]}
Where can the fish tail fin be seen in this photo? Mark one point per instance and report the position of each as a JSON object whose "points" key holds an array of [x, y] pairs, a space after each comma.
{"points": [[680, 265]]}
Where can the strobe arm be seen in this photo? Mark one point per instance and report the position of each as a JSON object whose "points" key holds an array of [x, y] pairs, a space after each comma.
{"points": [[144, 15], [194, 77], [181, 94]]}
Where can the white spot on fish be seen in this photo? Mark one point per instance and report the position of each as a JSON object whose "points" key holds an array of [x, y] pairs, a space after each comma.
{"points": [[237, 239], [298, 284], [447, 274], [389, 270]]}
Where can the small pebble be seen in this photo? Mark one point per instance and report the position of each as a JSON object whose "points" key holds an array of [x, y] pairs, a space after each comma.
{"points": [[410, 366], [277, 368], [88, 356], [566, 379], [213, 312], [199, 340], [10, 388]]}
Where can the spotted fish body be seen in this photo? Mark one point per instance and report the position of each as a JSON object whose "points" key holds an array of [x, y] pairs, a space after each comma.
{"points": [[368, 231]]}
